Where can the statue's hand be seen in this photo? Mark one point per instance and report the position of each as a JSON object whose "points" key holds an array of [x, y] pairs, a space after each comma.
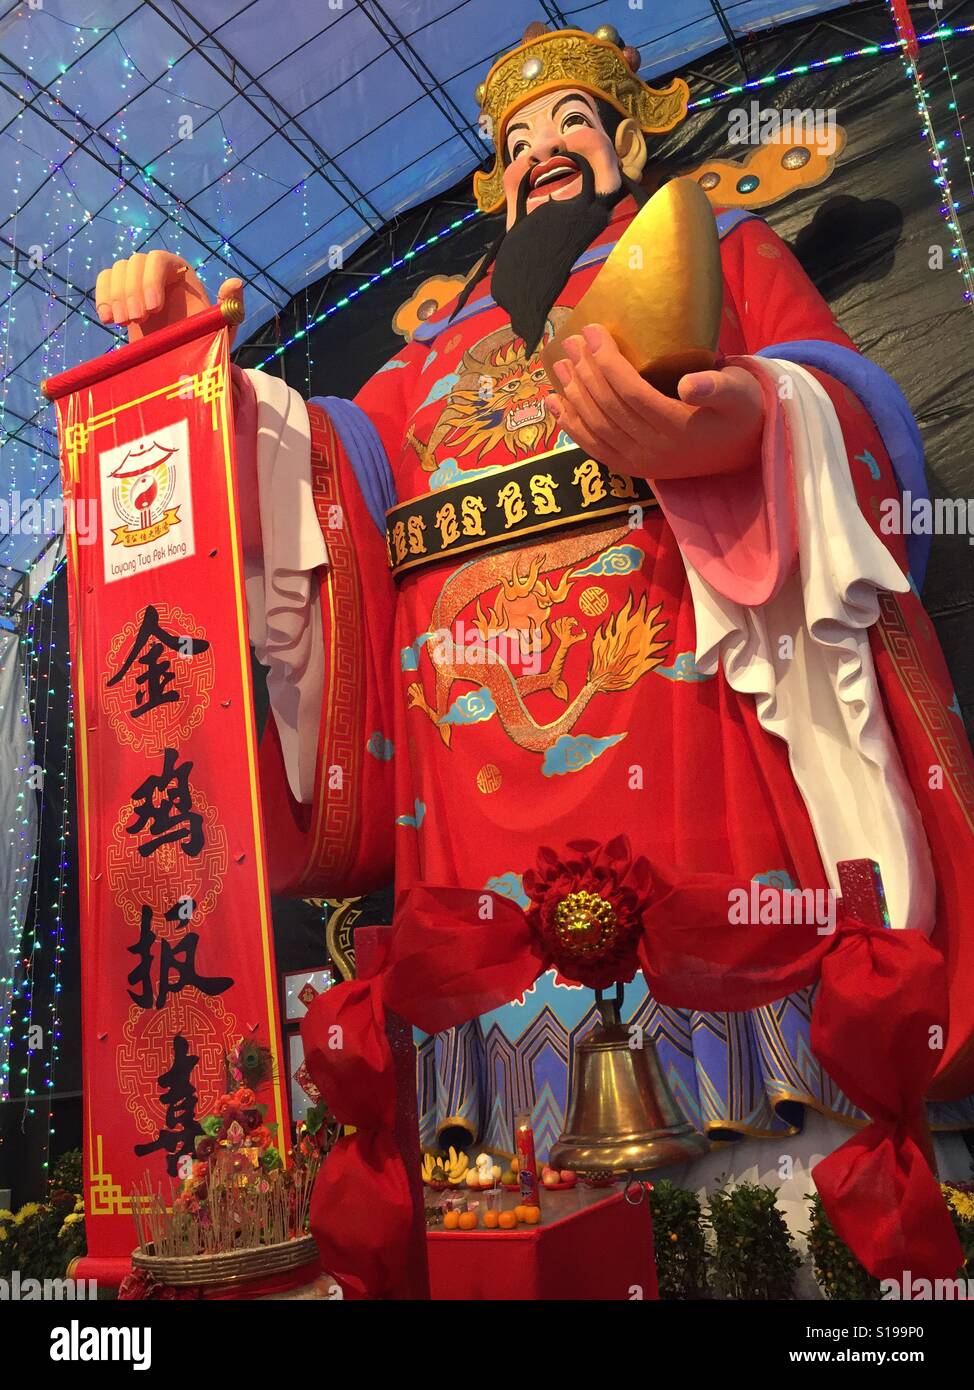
{"points": [[148, 292], [618, 418]]}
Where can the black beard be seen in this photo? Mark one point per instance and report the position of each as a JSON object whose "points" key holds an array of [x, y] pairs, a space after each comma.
{"points": [[536, 256]]}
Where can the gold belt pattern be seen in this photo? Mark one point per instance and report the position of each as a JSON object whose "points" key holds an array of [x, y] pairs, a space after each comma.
{"points": [[554, 490]]}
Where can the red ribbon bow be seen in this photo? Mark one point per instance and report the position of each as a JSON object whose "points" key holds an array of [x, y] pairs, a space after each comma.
{"points": [[882, 997]]}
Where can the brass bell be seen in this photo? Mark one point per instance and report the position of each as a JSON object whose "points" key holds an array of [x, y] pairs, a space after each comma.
{"points": [[622, 1117]]}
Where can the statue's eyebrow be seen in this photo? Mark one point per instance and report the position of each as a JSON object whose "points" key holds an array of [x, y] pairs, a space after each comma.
{"points": [[572, 96], [569, 96]]}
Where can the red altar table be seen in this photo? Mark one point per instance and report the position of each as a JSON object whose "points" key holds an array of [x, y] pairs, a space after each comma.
{"points": [[589, 1244]]}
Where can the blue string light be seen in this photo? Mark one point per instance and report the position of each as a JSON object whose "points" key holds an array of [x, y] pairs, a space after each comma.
{"points": [[344, 302]]}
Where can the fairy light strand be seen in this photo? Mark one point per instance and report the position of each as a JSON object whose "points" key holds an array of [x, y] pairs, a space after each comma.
{"points": [[960, 117], [871, 50], [940, 163]]}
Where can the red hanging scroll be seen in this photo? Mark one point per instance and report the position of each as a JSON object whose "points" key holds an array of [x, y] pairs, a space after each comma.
{"points": [[177, 953], [904, 27]]}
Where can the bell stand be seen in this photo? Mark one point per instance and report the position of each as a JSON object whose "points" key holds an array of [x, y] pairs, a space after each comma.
{"points": [[610, 1010]]}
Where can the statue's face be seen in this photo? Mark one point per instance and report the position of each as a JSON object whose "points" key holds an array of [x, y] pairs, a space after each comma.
{"points": [[538, 137]]}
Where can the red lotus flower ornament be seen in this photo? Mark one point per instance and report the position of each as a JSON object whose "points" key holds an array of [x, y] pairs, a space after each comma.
{"points": [[588, 907]]}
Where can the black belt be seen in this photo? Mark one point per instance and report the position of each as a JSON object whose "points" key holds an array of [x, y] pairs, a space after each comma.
{"points": [[548, 491]]}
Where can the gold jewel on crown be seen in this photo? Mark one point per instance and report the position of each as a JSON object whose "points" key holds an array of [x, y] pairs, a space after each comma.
{"points": [[595, 63]]}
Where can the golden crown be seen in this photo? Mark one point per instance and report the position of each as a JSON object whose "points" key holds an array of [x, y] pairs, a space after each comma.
{"points": [[597, 63]]}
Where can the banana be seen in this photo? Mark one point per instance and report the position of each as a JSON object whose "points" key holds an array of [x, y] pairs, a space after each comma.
{"points": [[454, 1167]]}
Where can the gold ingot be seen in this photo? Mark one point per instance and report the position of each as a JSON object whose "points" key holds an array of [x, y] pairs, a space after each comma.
{"points": [[660, 291]]}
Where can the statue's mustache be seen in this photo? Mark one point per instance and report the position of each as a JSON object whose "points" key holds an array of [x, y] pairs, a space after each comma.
{"points": [[580, 163]]}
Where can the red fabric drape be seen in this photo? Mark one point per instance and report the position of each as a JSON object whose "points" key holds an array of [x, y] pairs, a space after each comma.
{"points": [[880, 1004], [877, 1029], [878, 1023], [360, 1205], [445, 964], [341, 843]]}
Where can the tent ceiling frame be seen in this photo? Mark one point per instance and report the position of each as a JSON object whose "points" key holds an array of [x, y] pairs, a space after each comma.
{"points": [[418, 69], [554, 13], [119, 172], [94, 133], [375, 219], [402, 235], [730, 35]]}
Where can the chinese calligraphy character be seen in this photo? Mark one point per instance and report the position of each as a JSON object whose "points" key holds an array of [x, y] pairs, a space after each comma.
{"points": [[177, 964], [153, 682], [178, 1094], [172, 818]]}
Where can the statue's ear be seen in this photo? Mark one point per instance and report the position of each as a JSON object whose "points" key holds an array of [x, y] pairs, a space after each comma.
{"points": [[630, 143]]}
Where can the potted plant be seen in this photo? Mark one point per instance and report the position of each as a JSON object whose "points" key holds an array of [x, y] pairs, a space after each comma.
{"points": [[754, 1256]]}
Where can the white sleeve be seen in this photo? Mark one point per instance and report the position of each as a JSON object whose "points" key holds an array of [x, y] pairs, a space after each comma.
{"points": [[282, 594], [805, 657]]}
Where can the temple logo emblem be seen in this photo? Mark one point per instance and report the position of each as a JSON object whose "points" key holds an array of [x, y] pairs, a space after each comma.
{"points": [[146, 502]]}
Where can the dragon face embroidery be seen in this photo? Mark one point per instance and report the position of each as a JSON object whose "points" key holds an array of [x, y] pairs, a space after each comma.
{"points": [[498, 400]]}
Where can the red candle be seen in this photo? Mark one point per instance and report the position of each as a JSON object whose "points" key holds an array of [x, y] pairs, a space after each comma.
{"points": [[527, 1163]]}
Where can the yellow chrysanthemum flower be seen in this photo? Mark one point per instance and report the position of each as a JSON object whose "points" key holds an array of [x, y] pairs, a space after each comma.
{"points": [[960, 1202], [28, 1210], [5, 1215]]}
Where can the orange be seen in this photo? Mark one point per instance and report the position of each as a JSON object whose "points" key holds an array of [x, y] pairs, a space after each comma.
{"points": [[491, 1220], [468, 1220], [507, 1220], [532, 1215], [451, 1220], [519, 1213]]}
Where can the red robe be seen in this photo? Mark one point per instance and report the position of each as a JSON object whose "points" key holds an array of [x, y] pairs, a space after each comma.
{"points": [[457, 774]]}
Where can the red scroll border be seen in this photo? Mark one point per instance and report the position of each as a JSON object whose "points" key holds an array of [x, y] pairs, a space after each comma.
{"points": [[111, 1241]]}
